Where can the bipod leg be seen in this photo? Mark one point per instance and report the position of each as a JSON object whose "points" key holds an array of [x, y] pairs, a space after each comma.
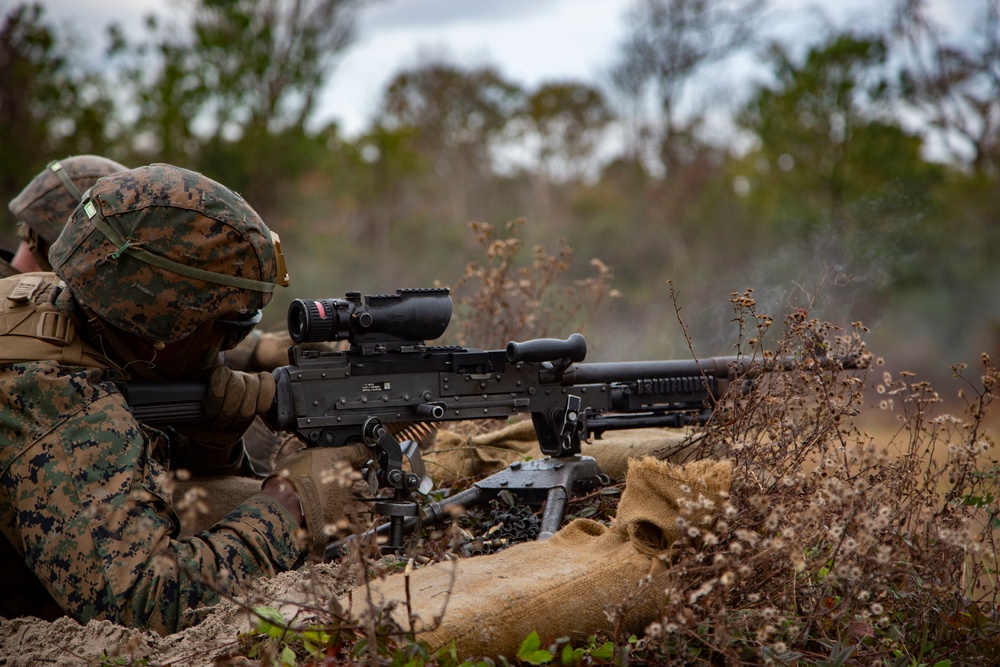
{"points": [[404, 524], [555, 507], [548, 481]]}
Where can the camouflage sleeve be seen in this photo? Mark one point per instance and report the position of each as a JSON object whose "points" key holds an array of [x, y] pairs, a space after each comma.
{"points": [[185, 454], [87, 508]]}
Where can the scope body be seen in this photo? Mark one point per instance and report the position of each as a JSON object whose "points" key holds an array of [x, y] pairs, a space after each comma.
{"points": [[408, 316]]}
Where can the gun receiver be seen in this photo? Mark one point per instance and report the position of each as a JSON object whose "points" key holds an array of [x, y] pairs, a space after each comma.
{"points": [[327, 397]]}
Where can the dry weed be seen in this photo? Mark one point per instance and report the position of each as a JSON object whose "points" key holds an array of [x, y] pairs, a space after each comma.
{"points": [[507, 298], [835, 548]]}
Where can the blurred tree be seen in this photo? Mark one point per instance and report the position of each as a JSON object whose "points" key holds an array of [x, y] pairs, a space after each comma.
{"points": [[832, 160], [450, 107], [457, 116], [567, 123], [160, 77], [392, 168], [668, 45], [564, 124], [49, 105], [234, 94], [954, 85], [668, 42]]}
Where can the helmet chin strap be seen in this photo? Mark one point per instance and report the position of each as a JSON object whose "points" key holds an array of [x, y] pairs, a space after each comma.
{"points": [[35, 245], [103, 335], [145, 368]]}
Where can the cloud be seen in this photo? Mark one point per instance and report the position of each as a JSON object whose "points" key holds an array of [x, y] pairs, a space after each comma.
{"points": [[410, 14]]}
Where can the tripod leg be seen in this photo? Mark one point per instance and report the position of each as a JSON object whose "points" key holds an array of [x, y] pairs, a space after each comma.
{"points": [[555, 505]]}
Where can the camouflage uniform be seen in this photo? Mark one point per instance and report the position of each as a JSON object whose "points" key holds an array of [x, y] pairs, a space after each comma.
{"points": [[42, 209], [84, 499]]}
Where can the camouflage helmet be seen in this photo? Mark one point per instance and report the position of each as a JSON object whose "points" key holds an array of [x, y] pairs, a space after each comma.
{"points": [[159, 250], [47, 201]]}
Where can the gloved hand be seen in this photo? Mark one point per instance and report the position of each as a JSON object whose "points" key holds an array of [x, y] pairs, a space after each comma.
{"points": [[231, 403], [266, 350], [271, 350], [235, 398], [322, 477]]}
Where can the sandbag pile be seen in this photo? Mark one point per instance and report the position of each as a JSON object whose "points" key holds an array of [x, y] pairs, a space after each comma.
{"points": [[451, 456], [586, 579]]}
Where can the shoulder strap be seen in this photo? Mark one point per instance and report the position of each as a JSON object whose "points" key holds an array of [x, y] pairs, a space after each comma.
{"points": [[33, 329]]}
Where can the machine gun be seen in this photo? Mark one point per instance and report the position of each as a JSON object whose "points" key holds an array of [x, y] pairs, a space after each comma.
{"points": [[389, 376]]}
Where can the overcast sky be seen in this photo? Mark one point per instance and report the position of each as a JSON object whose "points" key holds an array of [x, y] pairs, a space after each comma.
{"points": [[530, 41]]}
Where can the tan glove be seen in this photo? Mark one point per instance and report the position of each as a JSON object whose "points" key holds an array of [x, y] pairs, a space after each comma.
{"points": [[269, 350], [235, 398], [231, 403], [322, 478]]}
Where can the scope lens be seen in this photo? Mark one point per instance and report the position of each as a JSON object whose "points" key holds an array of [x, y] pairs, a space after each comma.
{"points": [[313, 320], [296, 323]]}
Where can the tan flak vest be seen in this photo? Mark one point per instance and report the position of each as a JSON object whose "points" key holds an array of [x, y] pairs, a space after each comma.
{"points": [[32, 329]]}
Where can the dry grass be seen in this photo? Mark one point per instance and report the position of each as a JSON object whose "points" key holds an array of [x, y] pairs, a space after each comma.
{"points": [[861, 528], [506, 298], [840, 545]]}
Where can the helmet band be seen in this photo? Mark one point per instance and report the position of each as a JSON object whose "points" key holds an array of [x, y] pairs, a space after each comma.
{"points": [[127, 246], [56, 168]]}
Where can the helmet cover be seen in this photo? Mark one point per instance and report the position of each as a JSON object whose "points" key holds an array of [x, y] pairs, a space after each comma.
{"points": [[47, 201], [159, 250]]}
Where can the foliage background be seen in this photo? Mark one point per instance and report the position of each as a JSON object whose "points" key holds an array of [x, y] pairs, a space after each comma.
{"points": [[826, 196]]}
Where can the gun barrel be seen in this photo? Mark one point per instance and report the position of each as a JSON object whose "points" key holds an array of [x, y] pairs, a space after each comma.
{"points": [[592, 373], [723, 368]]}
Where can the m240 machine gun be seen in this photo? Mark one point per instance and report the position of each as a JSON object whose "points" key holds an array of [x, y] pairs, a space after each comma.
{"points": [[390, 376]]}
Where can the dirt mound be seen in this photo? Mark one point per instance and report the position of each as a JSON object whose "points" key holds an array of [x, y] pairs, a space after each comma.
{"points": [[29, 642]]}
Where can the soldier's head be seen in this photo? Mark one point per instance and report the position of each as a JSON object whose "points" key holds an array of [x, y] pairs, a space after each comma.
{"points": [[45, 204], [169, 265]]}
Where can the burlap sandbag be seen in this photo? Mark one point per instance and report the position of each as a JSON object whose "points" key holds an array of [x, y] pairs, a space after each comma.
{"points": [[586, 579], [616, 449], [451, 456]]}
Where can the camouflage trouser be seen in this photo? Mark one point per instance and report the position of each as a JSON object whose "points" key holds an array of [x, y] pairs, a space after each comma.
{"points": [[83, 500]]}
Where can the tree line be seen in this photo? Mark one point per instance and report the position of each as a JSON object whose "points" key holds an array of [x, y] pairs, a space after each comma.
{"points": [[863, 185]]}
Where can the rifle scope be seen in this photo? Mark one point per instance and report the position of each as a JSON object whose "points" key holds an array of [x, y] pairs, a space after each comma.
{"points": [[408, 315]]}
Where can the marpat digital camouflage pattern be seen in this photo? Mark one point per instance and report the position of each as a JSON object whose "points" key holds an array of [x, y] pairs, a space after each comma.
{"points": [[84, 501], [177, 215], [47, 201]]}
